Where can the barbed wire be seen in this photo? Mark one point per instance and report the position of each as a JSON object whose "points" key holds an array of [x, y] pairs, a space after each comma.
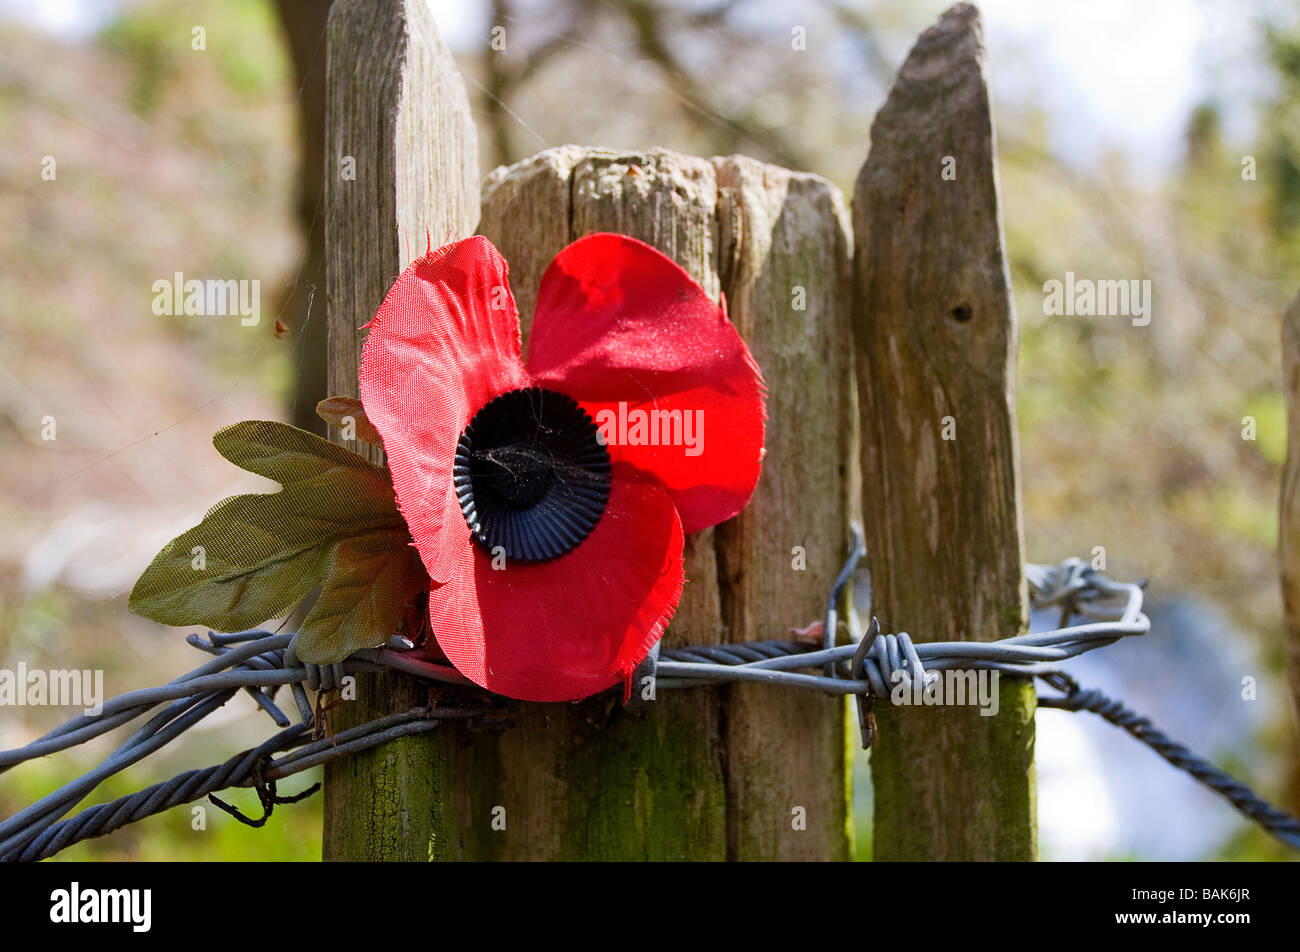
{"points": [[251, 661], [256, 768], [1075, 698], [868, 668]]}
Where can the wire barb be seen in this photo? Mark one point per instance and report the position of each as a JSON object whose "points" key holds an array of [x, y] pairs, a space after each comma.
{"points": [[259, 662], [266, 793]]}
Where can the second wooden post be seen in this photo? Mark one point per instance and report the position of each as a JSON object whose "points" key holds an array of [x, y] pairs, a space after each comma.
{"points": [[936, 344]]}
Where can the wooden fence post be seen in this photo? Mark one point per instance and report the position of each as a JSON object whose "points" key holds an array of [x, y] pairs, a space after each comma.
{"points": [[936, 339], [705, 773], [401, 166]]}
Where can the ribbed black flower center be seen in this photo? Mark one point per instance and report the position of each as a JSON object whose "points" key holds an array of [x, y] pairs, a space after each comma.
{"points": [[531, 476]]}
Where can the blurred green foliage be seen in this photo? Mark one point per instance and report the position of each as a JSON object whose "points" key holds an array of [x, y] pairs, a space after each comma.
{"points": [[158, 39]]}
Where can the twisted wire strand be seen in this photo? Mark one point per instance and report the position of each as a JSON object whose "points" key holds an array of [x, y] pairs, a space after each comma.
{"points": [[1075, 698], [1114, 611], [245, 769], [107, 817]]}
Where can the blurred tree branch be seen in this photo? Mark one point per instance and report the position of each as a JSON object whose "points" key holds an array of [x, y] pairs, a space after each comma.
{"points": [[653, 25], [649, 22], [504, 79], [303, 22]]}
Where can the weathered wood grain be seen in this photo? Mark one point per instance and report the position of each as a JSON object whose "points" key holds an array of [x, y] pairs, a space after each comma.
{"points": [[397, 108], [936, 336], [786, 268]]}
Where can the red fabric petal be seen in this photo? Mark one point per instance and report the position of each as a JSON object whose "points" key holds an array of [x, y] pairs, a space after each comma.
{"points": [[623, 329], [444, 342], [572, 626]]}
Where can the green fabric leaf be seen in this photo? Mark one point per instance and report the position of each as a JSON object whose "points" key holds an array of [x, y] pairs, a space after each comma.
{"points": [[285, 453], [253, 557], [369, 583]]}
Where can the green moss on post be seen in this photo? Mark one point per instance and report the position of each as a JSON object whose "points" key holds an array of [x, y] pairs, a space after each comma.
{"points": [[587, 782], [916, 748], [381, 805]]}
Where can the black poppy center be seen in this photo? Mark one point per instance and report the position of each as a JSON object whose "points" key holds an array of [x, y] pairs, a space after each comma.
{"points": [[521, 474], [531, 476]]}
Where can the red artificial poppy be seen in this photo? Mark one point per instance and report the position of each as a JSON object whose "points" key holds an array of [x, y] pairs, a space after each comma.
{"points": [[548, 499]]}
